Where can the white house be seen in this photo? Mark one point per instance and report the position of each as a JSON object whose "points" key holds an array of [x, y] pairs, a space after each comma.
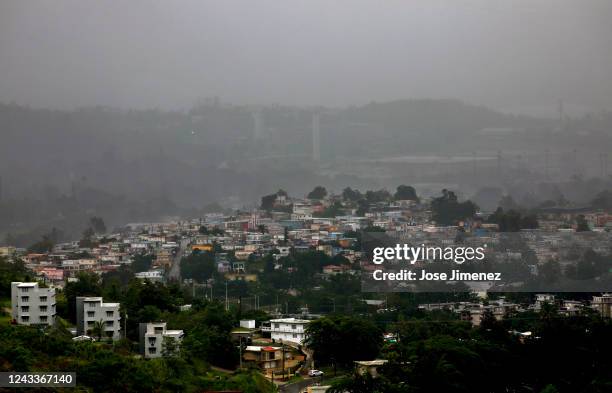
{"points": [[287, 329], [32, 305], [247, 323], [152, 337], [90, 310], [151, 275]]}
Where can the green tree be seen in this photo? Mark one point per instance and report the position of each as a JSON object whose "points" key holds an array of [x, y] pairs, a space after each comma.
{"points": [[97, 224], [319, 192], [339, 340], [87, 239], [98, 329], [9, 272], [447, 210], [348, 194], [170, 347], [42, 246], [381, 195], [141, 263], [405, 193], [87, 284], [198, 266]]}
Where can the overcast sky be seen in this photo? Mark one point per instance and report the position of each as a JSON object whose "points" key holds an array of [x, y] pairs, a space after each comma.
{"points": [[514, 55]]}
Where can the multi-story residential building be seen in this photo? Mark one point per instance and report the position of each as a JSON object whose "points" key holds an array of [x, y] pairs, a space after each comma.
{"points": [[92, 310], [273, 360], [7, 251], [32, 305], [153, 336], [603, 305], [287, 329], [542, 298]]}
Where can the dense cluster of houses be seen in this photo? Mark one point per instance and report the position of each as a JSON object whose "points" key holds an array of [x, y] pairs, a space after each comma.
{"points": [[291, 226], [295, 225], [500, 308]]}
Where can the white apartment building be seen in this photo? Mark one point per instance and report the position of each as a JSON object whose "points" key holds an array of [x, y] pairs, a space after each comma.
{"points": [[152, 337], [603, 305], [32, 305], [542, 298], [90, 310], [287, 329]]}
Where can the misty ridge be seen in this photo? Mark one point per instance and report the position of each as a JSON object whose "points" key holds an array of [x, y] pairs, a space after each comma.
{"points": [[321, 61], [59, 168]]}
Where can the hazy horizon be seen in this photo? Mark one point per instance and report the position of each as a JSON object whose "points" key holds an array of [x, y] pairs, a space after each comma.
{"points": [[519, 56]]}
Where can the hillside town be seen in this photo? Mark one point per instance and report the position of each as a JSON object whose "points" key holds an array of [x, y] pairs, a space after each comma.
{"points": [[309, 251]]}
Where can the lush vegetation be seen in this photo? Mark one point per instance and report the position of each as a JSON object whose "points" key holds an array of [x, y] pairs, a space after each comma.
{"points": [[103, 367], [563, 354], [447, 210]]}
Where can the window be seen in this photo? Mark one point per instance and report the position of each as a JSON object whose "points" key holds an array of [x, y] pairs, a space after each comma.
{"points": [[91, 314], [293, 327], [109, 314], [109, 323], [24, 290], [43, 299], [277, 325], [43, 308], [25, 299], [25, 309], [159, 330], [152, 340], [43, 318], [91, 305], [90, 323], [152, 350], [294, 335], [25, 319]]}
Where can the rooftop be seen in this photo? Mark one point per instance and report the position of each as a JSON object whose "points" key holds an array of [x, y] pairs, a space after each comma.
{"points": [[289, 320]]}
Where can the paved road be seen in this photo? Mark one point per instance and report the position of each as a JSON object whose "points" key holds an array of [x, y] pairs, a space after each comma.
{"points": [[298, 386], [175, 270]]}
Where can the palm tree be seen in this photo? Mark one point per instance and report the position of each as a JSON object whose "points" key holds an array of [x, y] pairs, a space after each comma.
{"points": [[98, 329]]}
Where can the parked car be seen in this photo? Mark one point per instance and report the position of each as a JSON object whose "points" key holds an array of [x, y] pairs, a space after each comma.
{"points": [[315, 373]]}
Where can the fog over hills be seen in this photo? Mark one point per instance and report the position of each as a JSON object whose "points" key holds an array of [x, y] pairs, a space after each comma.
{"points": [[104, 111], [60, 167]]}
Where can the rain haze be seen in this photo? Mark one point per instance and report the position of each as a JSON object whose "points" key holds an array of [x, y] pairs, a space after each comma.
{"points": [[511, 55], [143, 110]]}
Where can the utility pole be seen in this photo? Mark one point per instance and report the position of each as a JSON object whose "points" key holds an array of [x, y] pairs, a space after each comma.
{"points": [[283, 358], [240, 348]]}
